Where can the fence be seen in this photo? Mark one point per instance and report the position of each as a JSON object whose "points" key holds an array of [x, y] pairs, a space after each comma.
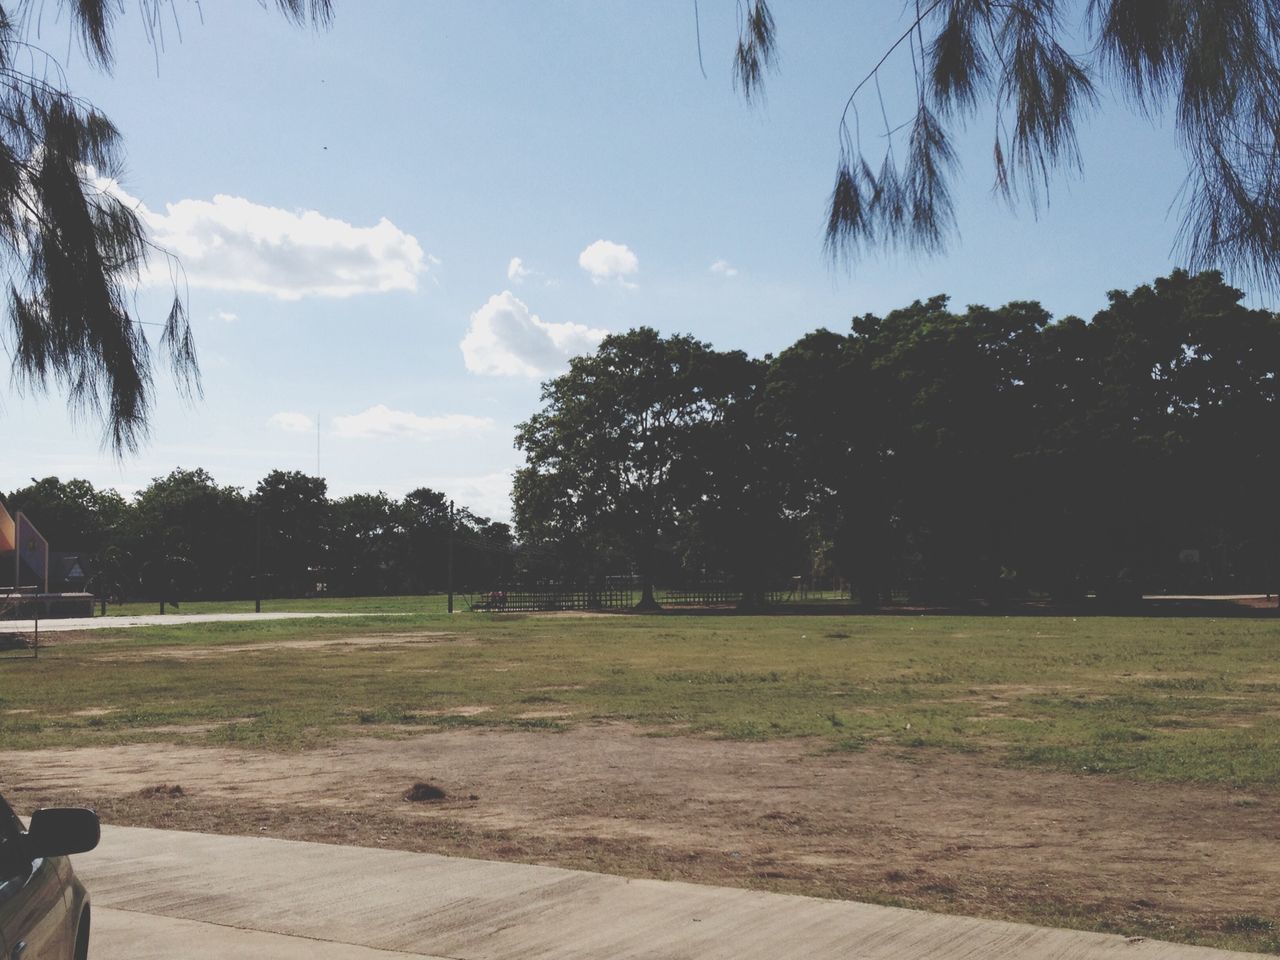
{"points": [[712, 595], [554, 597]]}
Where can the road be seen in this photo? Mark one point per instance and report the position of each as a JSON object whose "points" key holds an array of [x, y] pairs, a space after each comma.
{"points": [[161, 894], [72, 624]]}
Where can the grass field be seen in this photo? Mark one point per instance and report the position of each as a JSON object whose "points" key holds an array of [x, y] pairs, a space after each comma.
{"points": [[1117, 774], [1164, 700]]}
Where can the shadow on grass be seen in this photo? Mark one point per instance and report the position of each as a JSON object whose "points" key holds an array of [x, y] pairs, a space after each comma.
{"points": [[1212, 607]]}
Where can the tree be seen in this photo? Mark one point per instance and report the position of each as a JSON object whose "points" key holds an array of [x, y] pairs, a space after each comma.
{"points": [[1151, 434], [71, 250], [979, 453], [834, 417], [368, 546], [71, 514], [192, 538], [293, 520], [604, 454], [1213, 64], [955, 424], [737, 522]]}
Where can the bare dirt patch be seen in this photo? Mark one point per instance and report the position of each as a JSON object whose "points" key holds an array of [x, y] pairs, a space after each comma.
{"points": [[193, 652], [930, 829], [192, 728], [466, 710]]}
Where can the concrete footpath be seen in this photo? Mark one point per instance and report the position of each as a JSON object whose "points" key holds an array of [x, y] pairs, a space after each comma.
{"points": [[72, 624], [161, 894]]}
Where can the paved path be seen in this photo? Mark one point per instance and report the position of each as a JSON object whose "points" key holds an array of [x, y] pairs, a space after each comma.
{"points": [[166, 620], [1208, 596], [161, 894]]}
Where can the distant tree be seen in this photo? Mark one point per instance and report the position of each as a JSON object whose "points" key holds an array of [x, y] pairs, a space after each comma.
{"points": [[368, 546], [1213, 65], [426, 519], [293, 513], [72, 252], [72, 515], [604, 454], [192, 538]]}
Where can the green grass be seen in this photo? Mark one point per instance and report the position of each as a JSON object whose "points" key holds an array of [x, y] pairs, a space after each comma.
{"points": [[1192, 700]]}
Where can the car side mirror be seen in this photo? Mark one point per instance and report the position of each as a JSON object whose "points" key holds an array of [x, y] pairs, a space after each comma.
{"points": [[58, 831]]}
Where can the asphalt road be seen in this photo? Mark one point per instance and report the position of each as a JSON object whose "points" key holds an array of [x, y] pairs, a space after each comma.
{"points": [[161, 894]]}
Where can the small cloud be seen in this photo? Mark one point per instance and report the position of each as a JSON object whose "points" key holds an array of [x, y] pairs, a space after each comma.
{"points": [[724, 269], [225, 316], [606, 260], [505, 339], [517, 271], [382, 421], [291, 422]]}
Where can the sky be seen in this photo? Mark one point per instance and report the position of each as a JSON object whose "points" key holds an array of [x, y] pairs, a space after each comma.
{"points": [[392, 231]]}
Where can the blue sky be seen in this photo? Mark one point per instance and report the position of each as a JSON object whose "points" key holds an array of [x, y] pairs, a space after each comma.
{"points": [[347, 206]]}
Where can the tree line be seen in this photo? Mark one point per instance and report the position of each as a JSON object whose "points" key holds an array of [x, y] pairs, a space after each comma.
{"points": [[187, 537], [988, 453], [933, 453]]}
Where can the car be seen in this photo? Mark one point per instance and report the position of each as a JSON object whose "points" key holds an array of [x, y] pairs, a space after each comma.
{"points": [[44, 909]]}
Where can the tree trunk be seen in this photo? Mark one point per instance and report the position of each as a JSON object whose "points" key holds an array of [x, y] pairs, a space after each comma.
{"points": [[868, 592], [647, 600], [753, 600]]}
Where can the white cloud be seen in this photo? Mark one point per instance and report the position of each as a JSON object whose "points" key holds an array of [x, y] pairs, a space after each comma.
{"points": [[724, 268], [230, 243], [225, 316], [505, 339], [382, 421], [606, 260], [291, 421], [487, 494], [517, 271]]}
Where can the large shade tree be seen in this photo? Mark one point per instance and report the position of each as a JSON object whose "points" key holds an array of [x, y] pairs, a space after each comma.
{"points": [[737, 521], [610, 454], [73, 252]]}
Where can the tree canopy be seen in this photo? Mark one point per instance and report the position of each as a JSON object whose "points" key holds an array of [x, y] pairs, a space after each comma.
{"points": [[74, 252], [185, 536], [948, 454], [611, 450], [1213, 65]]}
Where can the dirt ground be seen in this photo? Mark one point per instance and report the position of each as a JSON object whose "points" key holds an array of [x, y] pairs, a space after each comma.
{"points": [[929, 829]]}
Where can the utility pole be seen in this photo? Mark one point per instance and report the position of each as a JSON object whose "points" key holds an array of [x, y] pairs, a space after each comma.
{"points": [[257, 558], [451, 556]]}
